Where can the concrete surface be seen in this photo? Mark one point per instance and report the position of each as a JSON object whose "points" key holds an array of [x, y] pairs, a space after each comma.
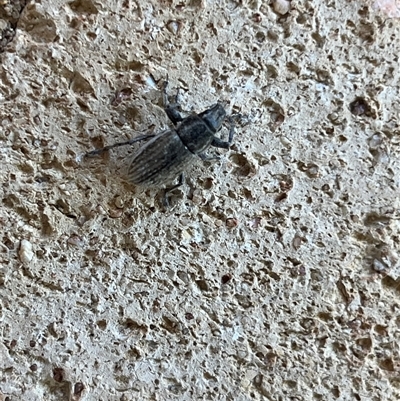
{"points": [[274, 275]]}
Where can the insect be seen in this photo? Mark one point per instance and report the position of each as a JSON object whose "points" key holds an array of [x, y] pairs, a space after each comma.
{"points": [[167, 155]]}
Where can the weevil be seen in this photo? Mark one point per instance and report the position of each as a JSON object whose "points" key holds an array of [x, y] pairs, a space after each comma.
{"points": [[167, 155]]}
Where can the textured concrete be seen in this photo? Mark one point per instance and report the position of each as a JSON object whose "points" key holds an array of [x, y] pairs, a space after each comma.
{"points": [[275, 273]]}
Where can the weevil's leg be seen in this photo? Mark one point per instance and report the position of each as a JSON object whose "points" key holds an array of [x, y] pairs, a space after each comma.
{"points": [[219, 143], [171, 109], [207, 158], [116, 145], [181, 180]]}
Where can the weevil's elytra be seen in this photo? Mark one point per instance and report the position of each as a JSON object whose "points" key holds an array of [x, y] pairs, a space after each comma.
{"points": [[167, 155], [160, 160]]}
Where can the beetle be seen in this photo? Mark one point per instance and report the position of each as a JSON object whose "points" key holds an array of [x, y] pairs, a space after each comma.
{"points": [[167, 155]]}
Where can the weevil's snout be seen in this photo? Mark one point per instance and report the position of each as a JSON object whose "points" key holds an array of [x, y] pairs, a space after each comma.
{"points": [[214, 116]]}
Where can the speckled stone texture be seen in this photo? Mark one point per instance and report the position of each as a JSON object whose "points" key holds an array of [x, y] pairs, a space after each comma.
{"points": [[275, 272]]}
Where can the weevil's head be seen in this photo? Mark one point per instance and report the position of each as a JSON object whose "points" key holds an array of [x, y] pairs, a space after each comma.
{"points": [[214, 117]]}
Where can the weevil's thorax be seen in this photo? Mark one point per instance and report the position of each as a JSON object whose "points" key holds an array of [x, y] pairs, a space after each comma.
{"points": [[195, 134], [197, 131]]}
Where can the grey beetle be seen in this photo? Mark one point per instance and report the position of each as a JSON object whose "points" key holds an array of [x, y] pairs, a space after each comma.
{"points": [[167, 155]]}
